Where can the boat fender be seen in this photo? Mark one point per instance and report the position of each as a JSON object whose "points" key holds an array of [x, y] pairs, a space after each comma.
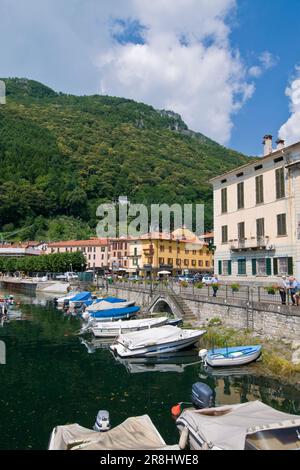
{"points": [[184, 437], [176, 410]]}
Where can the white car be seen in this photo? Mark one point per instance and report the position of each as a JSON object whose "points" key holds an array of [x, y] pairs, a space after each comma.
{"points": [[67, 276], [207, 280]]}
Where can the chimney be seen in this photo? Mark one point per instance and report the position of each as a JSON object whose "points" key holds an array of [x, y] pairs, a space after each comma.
{"points": [[267, 142], [280, 144]]}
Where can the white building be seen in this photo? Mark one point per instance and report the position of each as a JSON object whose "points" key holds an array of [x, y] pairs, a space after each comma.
{"points": [[257, 217]]}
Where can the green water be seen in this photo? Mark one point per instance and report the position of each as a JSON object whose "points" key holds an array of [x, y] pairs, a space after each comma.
{"points": [[51, 378]]}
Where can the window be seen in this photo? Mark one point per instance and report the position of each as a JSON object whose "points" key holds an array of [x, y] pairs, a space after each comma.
{"points": [[239, 175], [258, 167], [242, 270], [260, 229], [240, 196], [200, 264], [283, 266], [259, 187], [194, 252], [161, 261], [226, 268], [280, 188], [225, 234], [241, 231], [194, 262], [135, 252], [281, 225], [170, 249], [224, 200], [186, 262], [207, 264], [162, 249], [170, 261], [102, 249], [261, 267], [178, 262]]}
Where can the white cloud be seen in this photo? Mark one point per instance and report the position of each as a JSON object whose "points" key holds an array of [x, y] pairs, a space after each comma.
{"points": [[69, 46], [203, 79], [267, 62], [290, 131]]}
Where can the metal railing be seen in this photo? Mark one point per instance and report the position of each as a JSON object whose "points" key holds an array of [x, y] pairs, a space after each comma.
{"points": [[252, 294]]}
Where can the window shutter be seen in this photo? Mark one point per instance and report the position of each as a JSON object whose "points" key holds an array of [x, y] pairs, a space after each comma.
{"points": [[275, 266], [254, 270], [290, 266], [229, 268], [268, 267], [220, 268]]}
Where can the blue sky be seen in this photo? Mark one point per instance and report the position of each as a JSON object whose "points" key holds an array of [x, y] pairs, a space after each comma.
{"points": [[271, 25], [227, 66]]}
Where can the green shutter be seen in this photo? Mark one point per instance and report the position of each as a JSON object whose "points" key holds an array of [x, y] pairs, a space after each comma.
{"points": [[254, 270], [291, 266], [275, 266], [269, 267], [229, 268], [220, 268]]}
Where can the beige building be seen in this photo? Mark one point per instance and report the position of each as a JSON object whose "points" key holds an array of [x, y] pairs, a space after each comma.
{"points": [[95, 250], [257, 217]]}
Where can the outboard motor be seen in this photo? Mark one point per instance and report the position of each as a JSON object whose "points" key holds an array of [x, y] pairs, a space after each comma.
{"points": [[102, 423], [202, 395]]}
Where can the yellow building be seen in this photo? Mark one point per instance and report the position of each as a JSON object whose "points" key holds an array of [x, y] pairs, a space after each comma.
{"points": [[178, 252]]}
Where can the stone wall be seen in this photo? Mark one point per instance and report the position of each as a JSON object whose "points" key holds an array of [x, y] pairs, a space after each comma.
{"points": [[271, 320]]}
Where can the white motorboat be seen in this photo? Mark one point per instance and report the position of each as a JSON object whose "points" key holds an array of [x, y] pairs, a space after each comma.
{"points": [[155, 341], [114, 329], [101, 305], [66, 298], [246, 426]]}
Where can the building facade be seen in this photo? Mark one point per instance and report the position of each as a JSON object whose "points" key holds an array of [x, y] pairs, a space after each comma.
{"points": [[173, 252], [257, 217], [21, 249], [118, 256], [95, 251]]}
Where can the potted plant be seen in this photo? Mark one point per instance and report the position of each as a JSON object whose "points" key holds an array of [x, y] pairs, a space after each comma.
{"points": [[235, 287], [271, 290], [199, 285], [184, 284]]}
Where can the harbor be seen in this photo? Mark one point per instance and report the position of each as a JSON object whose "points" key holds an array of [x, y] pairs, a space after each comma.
{"points": [[53, 376]]}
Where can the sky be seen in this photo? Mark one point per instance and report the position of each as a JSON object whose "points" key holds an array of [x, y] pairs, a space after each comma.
{"points": [[231, 68]]}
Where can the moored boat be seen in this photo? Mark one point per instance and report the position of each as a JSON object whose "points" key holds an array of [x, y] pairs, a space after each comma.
{"points": [[155, 341], [228, 357], [113, 329], [246, 426]]}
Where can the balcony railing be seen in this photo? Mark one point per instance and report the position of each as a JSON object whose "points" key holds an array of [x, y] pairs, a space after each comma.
{"points": [[259, 243]]}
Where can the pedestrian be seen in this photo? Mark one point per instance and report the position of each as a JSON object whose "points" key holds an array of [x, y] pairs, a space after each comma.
{"points": [[215, 285], [293, 288], [283, 286]]}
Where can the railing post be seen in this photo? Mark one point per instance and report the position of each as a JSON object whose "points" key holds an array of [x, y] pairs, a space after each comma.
{"points": [[258, 293]]}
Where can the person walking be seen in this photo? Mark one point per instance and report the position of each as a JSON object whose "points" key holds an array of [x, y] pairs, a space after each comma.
{"points": [[215, 285], [293, 288], [283, 286]]}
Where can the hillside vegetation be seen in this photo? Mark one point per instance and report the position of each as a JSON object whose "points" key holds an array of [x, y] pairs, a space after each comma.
{"points": [[62, 155]]}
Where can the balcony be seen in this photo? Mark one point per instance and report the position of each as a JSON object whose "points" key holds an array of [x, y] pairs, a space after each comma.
{"points": [[251, 244]]}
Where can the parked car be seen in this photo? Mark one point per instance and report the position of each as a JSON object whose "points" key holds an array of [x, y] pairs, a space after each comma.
{"points": [[207, 280], [69, 276], [186, 278]]}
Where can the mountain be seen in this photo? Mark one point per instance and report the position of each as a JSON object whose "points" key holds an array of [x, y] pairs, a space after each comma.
{"points": [[63, 155]]}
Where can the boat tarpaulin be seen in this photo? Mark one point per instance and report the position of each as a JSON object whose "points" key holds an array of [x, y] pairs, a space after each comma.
{"points": [[227, 427], [114, 312], [81, 297], [138, 433], [163, 334]]}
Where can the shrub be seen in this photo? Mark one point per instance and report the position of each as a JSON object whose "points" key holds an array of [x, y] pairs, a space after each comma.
{"points": [[271, 290], [184, 284], [235, 287], [199, 285], [215, 322]]}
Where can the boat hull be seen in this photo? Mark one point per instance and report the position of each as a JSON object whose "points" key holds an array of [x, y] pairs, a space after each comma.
{"points": [[155, 350], [116, 328], [215, 361]]}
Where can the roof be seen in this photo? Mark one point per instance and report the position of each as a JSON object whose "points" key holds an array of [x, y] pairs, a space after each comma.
{"points": [[275, 154], [79, 243]]}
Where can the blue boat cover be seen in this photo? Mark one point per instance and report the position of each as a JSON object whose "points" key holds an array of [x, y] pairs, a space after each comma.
{"points": [[115, 312], [81, 297]]}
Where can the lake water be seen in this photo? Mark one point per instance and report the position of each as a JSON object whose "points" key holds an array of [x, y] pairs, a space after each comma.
{"points": [[53, 377]]}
